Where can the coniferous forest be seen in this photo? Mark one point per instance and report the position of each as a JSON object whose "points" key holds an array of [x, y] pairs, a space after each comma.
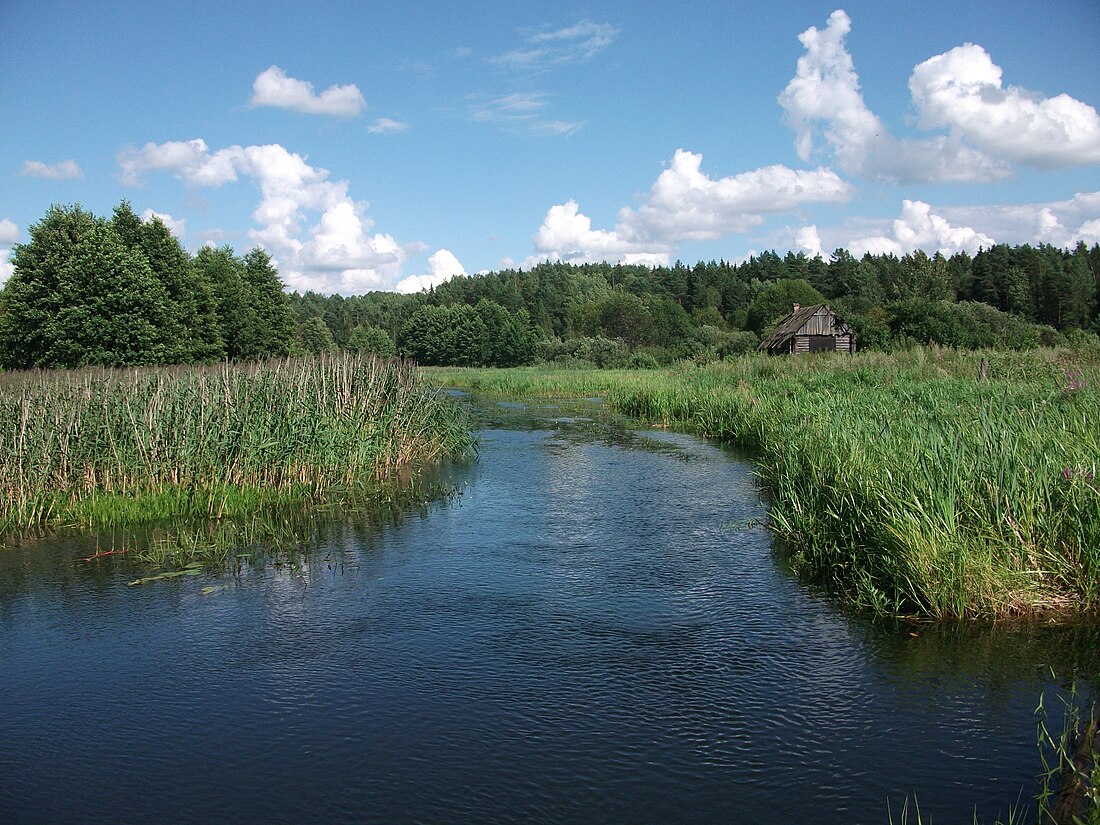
{"points": [[88, 290]]}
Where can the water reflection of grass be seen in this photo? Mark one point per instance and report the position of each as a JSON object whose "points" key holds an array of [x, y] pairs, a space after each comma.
{"points": [[101, 448], [906, 482]]}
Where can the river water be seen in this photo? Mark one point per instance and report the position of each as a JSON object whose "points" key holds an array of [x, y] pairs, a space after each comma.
{"points": [[596, 629]]}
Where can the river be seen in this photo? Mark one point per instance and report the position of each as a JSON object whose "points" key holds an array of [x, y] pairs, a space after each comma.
{"points": [[597, 628]]}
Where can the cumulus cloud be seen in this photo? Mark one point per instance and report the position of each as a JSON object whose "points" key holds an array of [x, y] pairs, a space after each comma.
{"points": [[442, 266], [59, 171], [824, 97], [567, 235], [385, 126], [520, 112], [961, 90], [684, 204], [273, 87], [807, 240], [1059, 223], [549, 49], [177, 226], [919, 227], [336, 253], [9, 232]]}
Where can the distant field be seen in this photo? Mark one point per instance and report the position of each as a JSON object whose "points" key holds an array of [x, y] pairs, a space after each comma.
{"points": [[909, 483]]}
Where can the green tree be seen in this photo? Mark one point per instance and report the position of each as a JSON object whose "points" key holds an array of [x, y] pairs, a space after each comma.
{"points": [[314, 337], [776, 300], [223, 272], [269, 326], [371, 339], [80, 296]]}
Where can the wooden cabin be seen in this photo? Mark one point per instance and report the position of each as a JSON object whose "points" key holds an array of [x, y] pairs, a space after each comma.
{"points": [[810, 329]]}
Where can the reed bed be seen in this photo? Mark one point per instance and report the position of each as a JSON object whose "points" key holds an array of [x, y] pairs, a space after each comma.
{"points": [[909, 483], [104, 447]]}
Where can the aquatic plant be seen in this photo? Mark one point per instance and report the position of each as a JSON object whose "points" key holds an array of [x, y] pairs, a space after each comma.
{"points": [[103, 447], [909, 483]]}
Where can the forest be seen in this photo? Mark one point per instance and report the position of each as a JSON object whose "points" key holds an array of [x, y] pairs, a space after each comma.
{"points": [[121, 291]]}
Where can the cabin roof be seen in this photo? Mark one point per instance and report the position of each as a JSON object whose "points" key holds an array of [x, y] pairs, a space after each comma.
{"points": [[790, 325]]}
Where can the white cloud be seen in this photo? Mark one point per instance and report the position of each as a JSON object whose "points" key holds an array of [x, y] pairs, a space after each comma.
{"points": [[559, 47], [824, 95], [442, 266], [59, 171], [177, 226], [685, 204], [520, 112], [961, 90], [1060, 223], [385, 126], [807, 240], [273, 87], [336, 253], [567, 235], [9, 232], [6, 267], [920, 228]]}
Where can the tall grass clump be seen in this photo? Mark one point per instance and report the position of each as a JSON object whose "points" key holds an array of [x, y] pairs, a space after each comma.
{"points": [[915, 484], [115, 446]]}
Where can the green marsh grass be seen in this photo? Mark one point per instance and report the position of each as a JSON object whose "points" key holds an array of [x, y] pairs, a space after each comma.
{"points": [[908, 483], [107, 447]]}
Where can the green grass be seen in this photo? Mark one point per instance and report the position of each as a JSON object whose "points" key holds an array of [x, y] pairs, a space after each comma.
{"points": [[905, 482], [114, 447]]}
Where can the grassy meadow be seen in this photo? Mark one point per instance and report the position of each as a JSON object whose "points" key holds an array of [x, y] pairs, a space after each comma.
{"points": [[914, 484], [100, 447]]}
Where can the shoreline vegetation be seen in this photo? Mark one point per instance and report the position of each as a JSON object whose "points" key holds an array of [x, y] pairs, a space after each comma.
{"points": [[108, 447], [930, 484]]}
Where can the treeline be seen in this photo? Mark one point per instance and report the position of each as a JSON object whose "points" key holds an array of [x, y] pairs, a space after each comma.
{"points": [[89, 290], [620, 315]]}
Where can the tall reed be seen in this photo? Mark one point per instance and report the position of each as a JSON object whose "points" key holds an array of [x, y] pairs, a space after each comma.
{"points": [[111, 446], [909, 483]]}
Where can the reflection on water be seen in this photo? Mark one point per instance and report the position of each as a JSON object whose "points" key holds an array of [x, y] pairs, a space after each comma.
{"points": [[596, 629]]}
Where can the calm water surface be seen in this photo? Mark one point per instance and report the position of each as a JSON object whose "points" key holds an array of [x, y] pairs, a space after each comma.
{"points": [[596, 630]]}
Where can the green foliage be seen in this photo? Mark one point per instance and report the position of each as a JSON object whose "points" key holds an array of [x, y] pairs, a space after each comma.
{"points": [[371, 339], [464, 335], [80, 296], [776, 300], [314, 337]]}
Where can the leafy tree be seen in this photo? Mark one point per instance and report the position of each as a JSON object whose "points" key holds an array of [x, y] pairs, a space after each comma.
{"points": [[371, 339], [224, 273], [79, 296], [776, 300], [314, 337], [269, 325]]}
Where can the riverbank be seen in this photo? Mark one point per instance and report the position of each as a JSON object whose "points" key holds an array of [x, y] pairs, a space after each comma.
{"points": [[931, 483], [102, 448]]}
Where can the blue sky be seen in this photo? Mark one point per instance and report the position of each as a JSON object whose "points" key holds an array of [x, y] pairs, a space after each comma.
{"points": [[381, 146]]}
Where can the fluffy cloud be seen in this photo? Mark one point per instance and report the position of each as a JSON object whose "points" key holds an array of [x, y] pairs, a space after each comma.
{"points": [[273, 87], [177, 226], [1059, 223], [961, 90], [567, 235], [442, 266], [559, 47], [824, 93], [920, 228], [59, 171], [807, 240], [337, 253], [684, 204], [385, 126], [9, 232]]}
